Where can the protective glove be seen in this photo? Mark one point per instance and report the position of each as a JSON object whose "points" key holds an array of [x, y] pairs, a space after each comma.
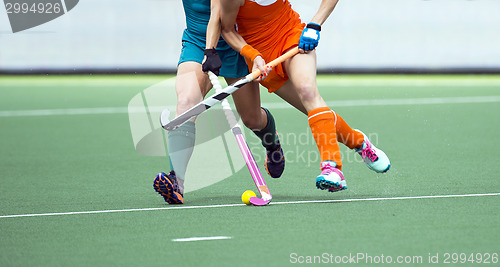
{"points": [[310, 37], [212, 62]]}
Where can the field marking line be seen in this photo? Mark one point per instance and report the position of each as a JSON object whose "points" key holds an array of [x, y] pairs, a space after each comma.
{"points": [[386, 198], [68, 111], [236, 205], [397, 102], [329, 80], [189, 239], [407, 82], [273, 105]]}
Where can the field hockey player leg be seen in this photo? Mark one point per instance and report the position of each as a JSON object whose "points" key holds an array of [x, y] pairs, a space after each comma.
{"points": [[191, 85], [322, 123], [261, 121], [275, 159], [374, 158], [180, 147]]}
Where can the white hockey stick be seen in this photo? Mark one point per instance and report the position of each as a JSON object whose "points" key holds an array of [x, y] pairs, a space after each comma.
{"points": [[173, 124]]}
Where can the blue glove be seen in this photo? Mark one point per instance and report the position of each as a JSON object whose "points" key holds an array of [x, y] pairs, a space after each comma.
{"points": [[310, 37]]}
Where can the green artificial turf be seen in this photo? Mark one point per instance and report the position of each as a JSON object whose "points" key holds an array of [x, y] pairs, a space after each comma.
{"points": [[87, 162]]}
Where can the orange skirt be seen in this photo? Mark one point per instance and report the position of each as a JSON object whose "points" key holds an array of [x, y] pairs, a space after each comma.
{"points": [[278, 76]]}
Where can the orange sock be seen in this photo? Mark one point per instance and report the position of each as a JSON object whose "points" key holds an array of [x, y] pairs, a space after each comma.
{"points": [[346, 135], [322, 123]]}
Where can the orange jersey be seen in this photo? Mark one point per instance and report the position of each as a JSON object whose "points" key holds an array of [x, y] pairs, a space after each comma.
{"points": [[272, 27]]}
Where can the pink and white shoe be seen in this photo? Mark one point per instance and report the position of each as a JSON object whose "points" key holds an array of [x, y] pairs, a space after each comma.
{"points": [[373, 157], [331, 178]]}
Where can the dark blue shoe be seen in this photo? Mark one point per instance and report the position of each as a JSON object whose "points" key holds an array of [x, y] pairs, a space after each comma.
{"points": [[275, 162], [166, 185]]}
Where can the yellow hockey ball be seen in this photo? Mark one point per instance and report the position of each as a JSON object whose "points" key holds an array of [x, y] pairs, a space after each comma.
{"points": [[246, 196]]}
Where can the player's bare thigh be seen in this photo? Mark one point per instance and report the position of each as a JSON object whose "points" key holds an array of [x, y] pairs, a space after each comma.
{"points": [[288, 93], [301, 69], [247, 101], [191, 85]]}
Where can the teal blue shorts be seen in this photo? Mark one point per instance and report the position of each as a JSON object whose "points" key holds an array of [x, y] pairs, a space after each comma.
{"points": [[233, 64]]}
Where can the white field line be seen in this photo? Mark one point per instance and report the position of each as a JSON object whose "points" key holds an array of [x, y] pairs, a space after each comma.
{"points": [[237, 205], [408, 82], [188, 239], [69, 111], [272, 105], [323, 80]]}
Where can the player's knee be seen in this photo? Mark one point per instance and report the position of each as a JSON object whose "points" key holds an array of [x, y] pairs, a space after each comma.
{"points": [[251, 122], [184, 103], [308, 92]]}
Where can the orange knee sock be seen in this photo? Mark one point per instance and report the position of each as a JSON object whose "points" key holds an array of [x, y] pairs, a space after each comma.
{"points": [[322, 123], [346, 135]]}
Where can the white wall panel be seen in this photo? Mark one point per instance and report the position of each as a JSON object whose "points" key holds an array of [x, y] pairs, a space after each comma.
{"points": [[130, 34]]}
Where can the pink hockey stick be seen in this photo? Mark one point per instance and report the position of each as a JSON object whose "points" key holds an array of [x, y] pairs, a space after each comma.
{"points": [[242, 144]]}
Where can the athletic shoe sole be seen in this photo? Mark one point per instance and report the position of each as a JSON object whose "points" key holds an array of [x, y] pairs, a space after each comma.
{"points": [[165, 188], [323, 184]]}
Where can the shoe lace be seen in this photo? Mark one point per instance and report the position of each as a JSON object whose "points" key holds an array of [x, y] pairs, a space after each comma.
{"points": [[326, 169], [173, 179], [369, 152]]}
